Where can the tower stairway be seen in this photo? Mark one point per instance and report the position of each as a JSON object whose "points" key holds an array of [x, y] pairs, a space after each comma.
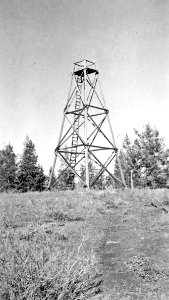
{"points": [[73, 154]]}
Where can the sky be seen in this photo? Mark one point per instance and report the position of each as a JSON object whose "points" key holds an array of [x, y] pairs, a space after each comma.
{"points": [[40, 41]]}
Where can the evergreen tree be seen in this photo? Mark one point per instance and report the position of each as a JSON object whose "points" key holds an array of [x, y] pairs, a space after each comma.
{"points": [[8, 168], [40, 179], [147, 158], [30, 175], [91, 171], [99, 184], [151, 159], [128, 158]]}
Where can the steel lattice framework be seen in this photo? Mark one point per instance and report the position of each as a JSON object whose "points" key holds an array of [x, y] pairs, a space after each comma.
{"points": [[82, 129]]}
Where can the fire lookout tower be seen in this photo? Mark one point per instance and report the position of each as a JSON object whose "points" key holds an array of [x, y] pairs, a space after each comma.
{"points": [[83, 130]]}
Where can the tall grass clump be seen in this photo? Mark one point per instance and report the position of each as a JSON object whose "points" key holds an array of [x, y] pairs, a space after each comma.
{"points": [[43, 270], [43, 252]]}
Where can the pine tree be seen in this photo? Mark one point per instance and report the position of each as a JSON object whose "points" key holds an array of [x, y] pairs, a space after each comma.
{"points": [[91, 171], [99, 184], [128, 159], [166, 166], [151, 159], [8, 168], [147, 158], [30, 175], [40, 179]]}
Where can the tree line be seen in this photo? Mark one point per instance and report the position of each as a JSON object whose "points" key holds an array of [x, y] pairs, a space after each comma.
{"points": [[23, 176], [144, 161]]}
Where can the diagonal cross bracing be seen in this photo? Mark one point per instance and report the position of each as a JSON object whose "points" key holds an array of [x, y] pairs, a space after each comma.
{"points": [[83, 129]]}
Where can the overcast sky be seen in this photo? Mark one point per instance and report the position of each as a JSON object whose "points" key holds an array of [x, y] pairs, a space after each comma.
{"points": [[40, 40]]}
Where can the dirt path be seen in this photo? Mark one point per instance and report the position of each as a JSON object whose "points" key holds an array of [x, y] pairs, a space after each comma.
{"points": [[134, 253]]}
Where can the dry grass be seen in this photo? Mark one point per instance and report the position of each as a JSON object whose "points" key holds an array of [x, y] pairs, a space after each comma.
{"points": [[40, 258], [43, 270], [48, 240]]}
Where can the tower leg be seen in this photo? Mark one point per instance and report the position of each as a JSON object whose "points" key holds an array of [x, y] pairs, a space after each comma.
{"points": [[86, 150], [55, 158], [112, 134], [52, 171], [85, 129]]}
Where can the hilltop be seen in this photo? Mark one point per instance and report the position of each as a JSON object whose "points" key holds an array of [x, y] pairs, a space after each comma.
{"points": [[84, 245]]}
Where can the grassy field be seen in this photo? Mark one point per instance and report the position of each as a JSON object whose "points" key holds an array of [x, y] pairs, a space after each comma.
{"points": [[84, 245]]}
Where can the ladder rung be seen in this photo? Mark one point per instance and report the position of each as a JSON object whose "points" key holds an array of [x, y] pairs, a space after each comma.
{"points": [[75, 136]]}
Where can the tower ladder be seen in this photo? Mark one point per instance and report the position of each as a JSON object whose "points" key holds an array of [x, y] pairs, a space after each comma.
{"points": [[73, 154]]}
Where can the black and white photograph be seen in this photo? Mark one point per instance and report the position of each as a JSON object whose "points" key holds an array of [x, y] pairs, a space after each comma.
{"points": [[84, 150]]}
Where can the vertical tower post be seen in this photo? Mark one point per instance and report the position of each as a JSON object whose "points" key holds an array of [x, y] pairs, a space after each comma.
{"points": [[55, 158], [85, 128]]}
